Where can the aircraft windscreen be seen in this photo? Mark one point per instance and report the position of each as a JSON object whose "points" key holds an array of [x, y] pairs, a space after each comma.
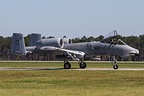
{"points": [[121, 42]]}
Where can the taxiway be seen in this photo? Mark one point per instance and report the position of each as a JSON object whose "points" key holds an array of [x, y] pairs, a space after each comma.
{"points": [[127, 69]]}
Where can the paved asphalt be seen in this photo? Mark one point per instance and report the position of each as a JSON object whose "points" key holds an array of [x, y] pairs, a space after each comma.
{"points": [[127, 69]]}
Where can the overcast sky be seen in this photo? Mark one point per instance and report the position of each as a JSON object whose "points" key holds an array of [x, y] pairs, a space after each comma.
{"points": [[73, 18]]}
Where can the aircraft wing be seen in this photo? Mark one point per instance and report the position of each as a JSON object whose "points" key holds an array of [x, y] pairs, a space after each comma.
{"points": [[56, 49]]}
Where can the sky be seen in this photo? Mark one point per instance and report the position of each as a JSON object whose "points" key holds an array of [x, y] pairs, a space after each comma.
{"points": [[72, 18]]}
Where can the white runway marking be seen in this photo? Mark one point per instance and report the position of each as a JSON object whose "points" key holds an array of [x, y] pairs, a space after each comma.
{"points": [[132, 69], [127, 69]]}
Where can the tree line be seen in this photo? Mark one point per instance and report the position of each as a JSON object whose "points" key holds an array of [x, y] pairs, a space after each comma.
{"points": [[134, 41]]}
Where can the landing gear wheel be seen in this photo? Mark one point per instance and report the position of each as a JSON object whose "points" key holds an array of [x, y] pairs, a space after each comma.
{"points": [[115, 66], [67, 65], [82, 65]]}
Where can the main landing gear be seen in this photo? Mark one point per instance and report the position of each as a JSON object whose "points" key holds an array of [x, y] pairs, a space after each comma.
{"points": [[114, 62], [67, 65]]}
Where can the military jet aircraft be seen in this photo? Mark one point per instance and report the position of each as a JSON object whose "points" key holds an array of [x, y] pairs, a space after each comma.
{"points": [[65, 48]]}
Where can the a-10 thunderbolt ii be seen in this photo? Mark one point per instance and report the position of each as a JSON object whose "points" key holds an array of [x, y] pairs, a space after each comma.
{"points": [[64, 48]]}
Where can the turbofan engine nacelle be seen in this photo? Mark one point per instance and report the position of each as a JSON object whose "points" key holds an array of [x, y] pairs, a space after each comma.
{"points": [[67, 40], [55, 42]]}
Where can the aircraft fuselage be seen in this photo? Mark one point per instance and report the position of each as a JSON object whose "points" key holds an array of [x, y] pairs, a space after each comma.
{"points": [[98, 48]]}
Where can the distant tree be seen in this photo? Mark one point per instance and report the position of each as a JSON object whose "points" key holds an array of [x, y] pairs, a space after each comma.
{"points": [[7, 43], [1, 41], [27, 40], [84, 39], [134, 41], [76, 40], [91, 38], [141, 40], [64, 36], [99, 38], [51, 37], [141, 45]]}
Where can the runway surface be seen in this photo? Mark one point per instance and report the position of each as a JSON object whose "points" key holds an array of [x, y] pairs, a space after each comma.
{"points": [[128, 69]]}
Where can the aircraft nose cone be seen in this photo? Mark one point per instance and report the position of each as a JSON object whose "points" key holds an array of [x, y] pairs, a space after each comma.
{"points": [[137, 51], [134, 52]]}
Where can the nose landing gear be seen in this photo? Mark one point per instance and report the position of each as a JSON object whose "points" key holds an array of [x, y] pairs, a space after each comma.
{"points": [[114, 62], [115, 66]]}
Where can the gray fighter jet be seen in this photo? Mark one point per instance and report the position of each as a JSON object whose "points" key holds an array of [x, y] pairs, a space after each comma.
{"points": [[63, 47]]}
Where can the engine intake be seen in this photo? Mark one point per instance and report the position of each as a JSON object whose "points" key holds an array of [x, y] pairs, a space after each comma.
{"points": [[67, 40]]}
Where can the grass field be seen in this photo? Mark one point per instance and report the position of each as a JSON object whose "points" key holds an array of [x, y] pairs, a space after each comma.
{"points": [[71, 82]]}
